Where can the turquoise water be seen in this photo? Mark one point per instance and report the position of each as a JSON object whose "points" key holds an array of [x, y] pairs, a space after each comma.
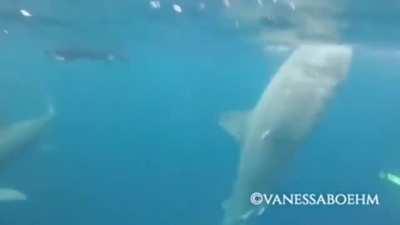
{"points": [[137, 141]]}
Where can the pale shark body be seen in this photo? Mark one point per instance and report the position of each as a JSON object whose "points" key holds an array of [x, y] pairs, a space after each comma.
{"points": [[281, 121], [16, 137]]}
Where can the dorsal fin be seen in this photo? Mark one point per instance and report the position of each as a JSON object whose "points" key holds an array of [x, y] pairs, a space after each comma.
{"points": [[235, 123]]}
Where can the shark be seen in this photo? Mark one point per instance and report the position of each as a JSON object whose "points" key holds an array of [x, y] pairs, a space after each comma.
{"points": [[16, 137], [71, 55], [286, 114]]}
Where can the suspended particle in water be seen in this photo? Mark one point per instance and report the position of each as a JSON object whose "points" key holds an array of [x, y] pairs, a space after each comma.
{"points": [[155, 4], [292, 5], [237, 24], [25, 13], [227, 3], [177, 8], [202, 6], [265, 134]]}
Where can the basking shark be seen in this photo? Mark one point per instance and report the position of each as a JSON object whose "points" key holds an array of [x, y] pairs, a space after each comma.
{"points": [[283, 118], [15, 138]]}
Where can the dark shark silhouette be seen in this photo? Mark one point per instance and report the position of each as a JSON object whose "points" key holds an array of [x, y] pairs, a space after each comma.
{"points": [[70, 55]]}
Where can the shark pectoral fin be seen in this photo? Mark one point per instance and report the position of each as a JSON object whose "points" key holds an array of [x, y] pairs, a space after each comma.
{"points": [[8, 194], [234, 122]]}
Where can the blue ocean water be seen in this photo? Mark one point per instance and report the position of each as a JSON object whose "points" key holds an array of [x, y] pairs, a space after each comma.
{"points": [[138, 141]]}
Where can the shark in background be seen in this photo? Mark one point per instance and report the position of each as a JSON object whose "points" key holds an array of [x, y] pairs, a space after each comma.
{"points": [[16, 137], [75, 54], [281, 121]]}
